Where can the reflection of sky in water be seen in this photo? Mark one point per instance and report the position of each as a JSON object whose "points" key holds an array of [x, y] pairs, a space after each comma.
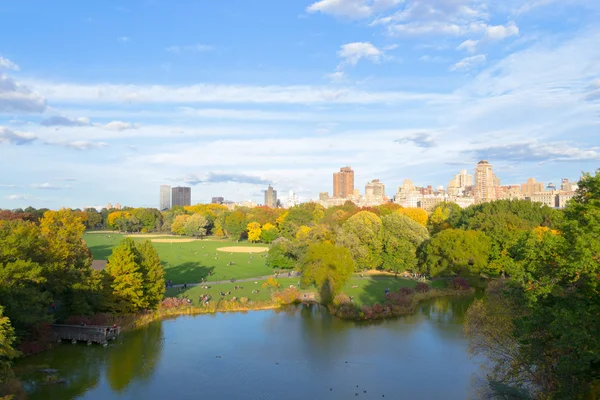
{"points": [[298, 353]]}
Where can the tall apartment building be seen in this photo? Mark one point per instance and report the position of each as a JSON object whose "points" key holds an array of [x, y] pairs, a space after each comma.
{"points": [[460, 183], [375, 189], [343, 183], [531, 186], [292, 199], [485, 181], [165, 197], [567, 186], [182, 196], [271, 197]]}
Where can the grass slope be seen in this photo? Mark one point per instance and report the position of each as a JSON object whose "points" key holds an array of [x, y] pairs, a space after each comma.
{"points": [[187, 262]]}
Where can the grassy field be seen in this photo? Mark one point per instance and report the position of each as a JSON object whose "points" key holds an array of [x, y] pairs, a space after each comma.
{"points": [[193, 293], [371, 289], [190, 262]]}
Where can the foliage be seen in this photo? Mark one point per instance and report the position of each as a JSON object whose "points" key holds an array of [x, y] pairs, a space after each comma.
{"points": [[422, 287], [7, 351], [178, 224], [362, 234], [454, 251], [459, 283], [401, 237], [268, 233], [271, 283], [254, 232], [152, 273], [328, 267], [286, 296], [195, 225], [445, 215], [416, 214], [235, 224], [281, 254], [125, 280]]}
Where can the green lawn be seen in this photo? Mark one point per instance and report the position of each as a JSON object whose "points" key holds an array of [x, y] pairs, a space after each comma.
{"points": [[371, 289], [192, 261], [193, 293]]}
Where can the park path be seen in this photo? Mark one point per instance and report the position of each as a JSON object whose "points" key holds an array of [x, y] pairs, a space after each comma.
{"points": [[258, 278]]}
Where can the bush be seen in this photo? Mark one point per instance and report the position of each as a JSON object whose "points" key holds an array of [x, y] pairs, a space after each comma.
{"points": [[173, 302], [271, 283], [422, 287], [406, 291], [243, 300], [397, 299], [340, 299], [286, 296], [459, 283]]}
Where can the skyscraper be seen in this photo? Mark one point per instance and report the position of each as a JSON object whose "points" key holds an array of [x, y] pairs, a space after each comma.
{"points": [[271, 197], [531, 186], [484, 182], [459, 184], [182, 196], [165, 197], [375, 189], [343, 183], [292, 199]]}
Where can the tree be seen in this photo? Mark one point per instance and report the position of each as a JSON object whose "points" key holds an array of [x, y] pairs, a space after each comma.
{"points": [[401, 238], [268, 233], [94, 218], [152, 273], [178, 224], [7, 352], [195, 225], [416, 214], [125, 279], [281, 254], [328, 267], [455, 251], [235, 224], [445, 215], [254, 232], [362, 234]]}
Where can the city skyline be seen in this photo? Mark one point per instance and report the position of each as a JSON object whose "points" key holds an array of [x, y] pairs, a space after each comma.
{"points": [[393, 90]]}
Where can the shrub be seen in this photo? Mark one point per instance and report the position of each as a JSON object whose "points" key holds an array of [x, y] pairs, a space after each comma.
{"points": [[243, 300], [271, 283], [397, 299], [173, 302], [459, 283], [422, 287], [340, 299], [406, 291], [287, 296]]}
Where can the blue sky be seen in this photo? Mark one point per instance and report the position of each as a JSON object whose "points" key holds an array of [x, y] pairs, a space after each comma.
{"points": [[104, 101]]}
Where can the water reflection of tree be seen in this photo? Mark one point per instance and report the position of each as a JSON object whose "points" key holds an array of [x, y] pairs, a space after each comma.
{"points": [[136, 357]]}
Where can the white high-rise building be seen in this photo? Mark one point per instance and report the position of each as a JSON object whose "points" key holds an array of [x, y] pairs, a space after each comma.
{"points": [[459, 184], [165, 197], [292, 199]]}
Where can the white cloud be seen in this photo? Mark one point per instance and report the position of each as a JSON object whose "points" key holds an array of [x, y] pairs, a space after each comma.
{"points": [[354, 9], [15, 137], [468, 62], [118, 126], [65, 121], [14, 97], [46, 186], [194, 48], [351, 53], [5, 63], [469, 45], [337, 76], [79, 144], [123, 39], [500, 32], [17, 197], [214, 93]]}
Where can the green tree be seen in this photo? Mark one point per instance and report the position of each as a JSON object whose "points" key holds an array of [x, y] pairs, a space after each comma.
{"points": [[153, 274], [235, 224], [362, 234], [401, 238], [125, 279], [454, 251], [328, 267], [445, 215], [268, 233], [195, 225], [94, 219], [7, 351], [281, 254]]}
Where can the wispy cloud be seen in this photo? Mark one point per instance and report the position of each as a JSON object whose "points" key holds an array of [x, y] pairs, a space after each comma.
{"points": [[65, 121], [5, 63], [123, 39], [216, 177], [536, 152], [118, 126], [17, 98], [193, 48], [355, 9], [17, 197], [16, 137], [468, 63], [419, 139], [48, 186]]}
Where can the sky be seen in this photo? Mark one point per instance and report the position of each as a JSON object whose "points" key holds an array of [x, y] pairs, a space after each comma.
{"points": [[104, 101]]}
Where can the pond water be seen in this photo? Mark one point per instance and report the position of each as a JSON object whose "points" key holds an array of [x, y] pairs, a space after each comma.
{"points": [[299, 352]]}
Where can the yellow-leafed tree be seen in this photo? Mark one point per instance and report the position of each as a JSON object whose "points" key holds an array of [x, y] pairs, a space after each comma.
{"points": [[254, 232], [416, 214]]}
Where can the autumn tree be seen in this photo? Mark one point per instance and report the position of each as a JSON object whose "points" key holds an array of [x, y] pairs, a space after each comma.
{"points": [[328, 267], [416, 214], [362, 234], [268, 233], [195, 225], [94, 219], [254, 232], [152, 273], [126, 280], [178, 224], [444, 215], [7, 351], [281, 254]]}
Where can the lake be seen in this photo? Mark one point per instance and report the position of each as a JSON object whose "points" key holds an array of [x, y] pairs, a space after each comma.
{"points": [[300, 352]]}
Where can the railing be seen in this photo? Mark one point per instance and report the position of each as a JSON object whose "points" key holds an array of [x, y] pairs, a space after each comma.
{"points": [[85, 333]]}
